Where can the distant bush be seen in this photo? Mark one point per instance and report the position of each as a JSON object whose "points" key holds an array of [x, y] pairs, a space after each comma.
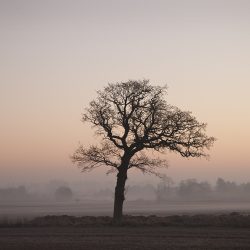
{"points": [[63, 193]]}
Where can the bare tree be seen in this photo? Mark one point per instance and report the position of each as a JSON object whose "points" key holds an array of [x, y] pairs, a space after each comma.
{"points": [[132, 118]]}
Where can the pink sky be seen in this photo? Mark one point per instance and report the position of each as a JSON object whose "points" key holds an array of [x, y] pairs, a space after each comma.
{"points": [[56, 54]]}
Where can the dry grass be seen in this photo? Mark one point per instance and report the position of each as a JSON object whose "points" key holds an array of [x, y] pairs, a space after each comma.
{"points": [[235, 220]]}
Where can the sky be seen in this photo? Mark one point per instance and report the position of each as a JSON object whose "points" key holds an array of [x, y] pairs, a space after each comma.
{"points": [[55, 55]]}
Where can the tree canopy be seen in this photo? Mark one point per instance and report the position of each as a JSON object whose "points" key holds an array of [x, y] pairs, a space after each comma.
{"points": [[134, 116]]}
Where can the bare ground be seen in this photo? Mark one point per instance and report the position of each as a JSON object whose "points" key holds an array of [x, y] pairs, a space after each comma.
{"points": [[120, 238]]}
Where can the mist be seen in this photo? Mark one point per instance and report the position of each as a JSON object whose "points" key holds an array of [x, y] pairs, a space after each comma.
{"points": [[162, 197]]}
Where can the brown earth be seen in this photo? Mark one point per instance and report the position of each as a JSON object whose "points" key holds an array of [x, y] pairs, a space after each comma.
{"points": [[120, 238]]}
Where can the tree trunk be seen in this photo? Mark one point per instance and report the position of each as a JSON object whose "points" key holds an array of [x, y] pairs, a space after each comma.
{"points": [[119, 194]]}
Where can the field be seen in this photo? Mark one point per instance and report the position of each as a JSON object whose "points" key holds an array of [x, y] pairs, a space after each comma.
{"points": [[113, 238], [98, 208], [25, 226]]}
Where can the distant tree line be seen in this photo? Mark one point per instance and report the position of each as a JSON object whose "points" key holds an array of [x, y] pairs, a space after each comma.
{"points": [[166, 190], [14, 193], [20, 193], [192, 189], [185, 190]]}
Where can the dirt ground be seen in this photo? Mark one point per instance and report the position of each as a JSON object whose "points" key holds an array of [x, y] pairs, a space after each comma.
{"points": [[120, 238]]}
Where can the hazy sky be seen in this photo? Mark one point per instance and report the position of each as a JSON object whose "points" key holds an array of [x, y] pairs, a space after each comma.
{"points": [[54, 55]]}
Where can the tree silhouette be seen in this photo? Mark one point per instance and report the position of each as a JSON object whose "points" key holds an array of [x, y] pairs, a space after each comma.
{"points": [[132, 118]]}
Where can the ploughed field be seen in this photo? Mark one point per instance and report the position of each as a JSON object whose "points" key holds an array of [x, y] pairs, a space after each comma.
{"points": [[179, 225], [202, 231], [119, 238]]}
